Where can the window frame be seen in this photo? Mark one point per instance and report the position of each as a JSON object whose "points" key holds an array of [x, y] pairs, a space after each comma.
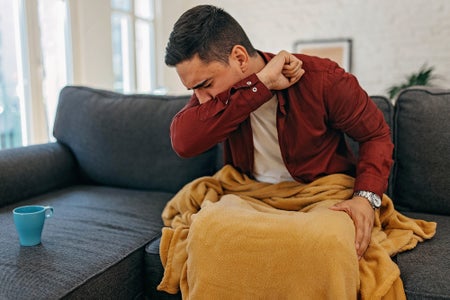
{"points": [[132, 86]]}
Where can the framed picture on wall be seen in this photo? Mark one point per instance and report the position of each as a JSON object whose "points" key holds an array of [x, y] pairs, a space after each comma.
{"points": [[338, 50]]}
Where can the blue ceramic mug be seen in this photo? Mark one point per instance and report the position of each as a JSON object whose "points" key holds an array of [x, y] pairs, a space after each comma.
{"points": [[29, 222]]}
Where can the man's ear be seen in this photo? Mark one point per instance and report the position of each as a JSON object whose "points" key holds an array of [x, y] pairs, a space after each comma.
{"points": [[239, 55]]}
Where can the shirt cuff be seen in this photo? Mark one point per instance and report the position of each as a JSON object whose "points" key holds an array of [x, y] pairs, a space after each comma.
{"points": [[370, 183], [251, 89]]}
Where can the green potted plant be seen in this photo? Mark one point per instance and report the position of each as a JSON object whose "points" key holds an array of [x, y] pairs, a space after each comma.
{"points": [[423, 77]]}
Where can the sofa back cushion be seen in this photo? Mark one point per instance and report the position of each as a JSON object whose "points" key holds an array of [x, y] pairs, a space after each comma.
{"points": [[422, 150], [123, 140]]}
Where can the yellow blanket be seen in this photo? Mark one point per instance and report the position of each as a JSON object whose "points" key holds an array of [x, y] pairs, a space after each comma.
{"points": [[248, 236]]}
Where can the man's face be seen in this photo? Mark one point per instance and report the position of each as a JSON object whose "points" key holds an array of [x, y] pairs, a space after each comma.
{"points": [[208, 79]]}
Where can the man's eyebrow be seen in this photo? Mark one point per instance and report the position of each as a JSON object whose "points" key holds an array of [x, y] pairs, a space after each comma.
{"points": [[199, 85]]}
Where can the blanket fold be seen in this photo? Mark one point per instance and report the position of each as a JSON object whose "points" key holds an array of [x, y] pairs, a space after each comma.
{"points": [[227, 233]]}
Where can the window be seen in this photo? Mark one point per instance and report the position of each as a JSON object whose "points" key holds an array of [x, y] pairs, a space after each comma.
{"points": [[36, 58], [33, 68], [11, 78], [133, 45]]}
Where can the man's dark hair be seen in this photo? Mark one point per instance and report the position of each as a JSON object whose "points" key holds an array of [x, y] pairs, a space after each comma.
{"points": [[207, 31]]}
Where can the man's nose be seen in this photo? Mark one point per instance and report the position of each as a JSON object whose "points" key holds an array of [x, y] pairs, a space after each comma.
{"points": [[202, 95]]}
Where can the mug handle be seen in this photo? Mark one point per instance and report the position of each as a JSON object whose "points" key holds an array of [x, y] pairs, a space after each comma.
{"points": [[48, 211]]}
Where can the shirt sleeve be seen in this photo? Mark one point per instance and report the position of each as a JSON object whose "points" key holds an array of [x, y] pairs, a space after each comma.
{"points": [[352, 111], [198, 127]]}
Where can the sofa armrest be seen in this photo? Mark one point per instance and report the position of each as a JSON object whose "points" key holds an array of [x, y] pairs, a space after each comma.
{"points": [[32, 170]]}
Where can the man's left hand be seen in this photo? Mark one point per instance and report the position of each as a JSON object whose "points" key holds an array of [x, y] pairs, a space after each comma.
{"points": [[363, 215]]}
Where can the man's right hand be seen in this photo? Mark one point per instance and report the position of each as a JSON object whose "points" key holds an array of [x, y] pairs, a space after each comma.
{"points": [[282, 71]]}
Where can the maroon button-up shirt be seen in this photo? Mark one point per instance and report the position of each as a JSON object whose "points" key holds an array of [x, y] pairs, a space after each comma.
{"points": [[312, 117]]}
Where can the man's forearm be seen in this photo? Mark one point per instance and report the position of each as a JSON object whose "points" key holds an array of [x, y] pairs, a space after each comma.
{"points": [[197, 127]]}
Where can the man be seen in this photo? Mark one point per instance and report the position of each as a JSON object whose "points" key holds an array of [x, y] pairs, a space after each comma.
{"points": [[281, 117]]}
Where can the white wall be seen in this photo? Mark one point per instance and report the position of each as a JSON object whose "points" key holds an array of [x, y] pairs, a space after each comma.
{"points": [[391, 39]]}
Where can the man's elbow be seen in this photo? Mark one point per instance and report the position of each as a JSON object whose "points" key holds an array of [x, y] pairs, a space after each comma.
{"points": [[183, 149], [180, 151]]}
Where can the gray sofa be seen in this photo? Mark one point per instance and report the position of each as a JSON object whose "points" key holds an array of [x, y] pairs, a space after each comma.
{"points": [[112, 170]]}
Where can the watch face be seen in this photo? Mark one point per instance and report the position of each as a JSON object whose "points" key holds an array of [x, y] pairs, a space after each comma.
{"points": [[376, 201], [373, 198]]}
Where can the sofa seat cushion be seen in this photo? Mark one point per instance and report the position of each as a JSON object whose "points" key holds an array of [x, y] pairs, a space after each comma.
{"points": [[92, 247], [425, 270], [154, 272]]}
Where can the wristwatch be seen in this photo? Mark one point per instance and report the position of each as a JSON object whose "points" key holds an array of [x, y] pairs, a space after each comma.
{"points": [[373, 198]]}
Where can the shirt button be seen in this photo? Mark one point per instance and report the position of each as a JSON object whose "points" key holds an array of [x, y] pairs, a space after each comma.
{"points": [[254, 89], [249, 83]]}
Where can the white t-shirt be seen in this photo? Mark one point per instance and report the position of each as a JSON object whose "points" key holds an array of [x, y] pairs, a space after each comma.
{"points": [[268, 164]]}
